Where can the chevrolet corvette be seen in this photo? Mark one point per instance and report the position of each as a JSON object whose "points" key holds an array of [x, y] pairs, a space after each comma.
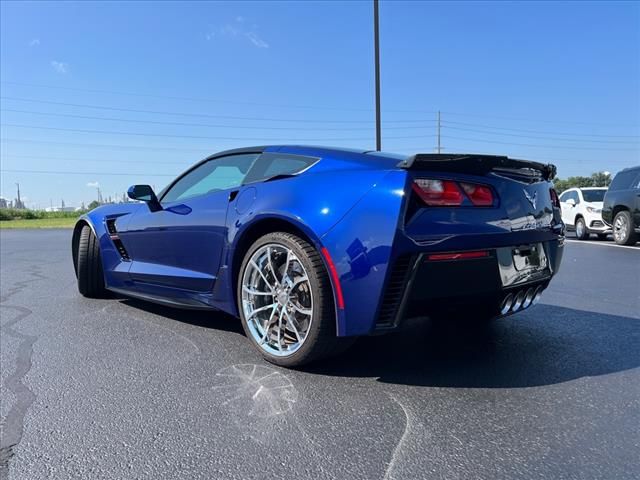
{"points": [[311, 247]]}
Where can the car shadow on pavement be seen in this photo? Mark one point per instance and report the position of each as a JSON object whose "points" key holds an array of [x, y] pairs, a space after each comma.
{"points": [[542, 346], [199, 318]]}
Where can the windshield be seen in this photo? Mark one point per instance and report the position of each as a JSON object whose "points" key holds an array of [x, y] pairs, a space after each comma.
{"points": [[593, 195]]}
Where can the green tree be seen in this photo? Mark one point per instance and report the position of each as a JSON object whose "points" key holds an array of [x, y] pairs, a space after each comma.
{"points": [[93, 205], [597, 179]]}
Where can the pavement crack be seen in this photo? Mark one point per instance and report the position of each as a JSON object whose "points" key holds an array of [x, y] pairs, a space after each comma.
{"points": [[13, 425]]}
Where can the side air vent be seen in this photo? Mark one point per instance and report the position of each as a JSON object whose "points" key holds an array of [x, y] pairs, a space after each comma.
{"points": [[395, 289], [111, 226], [115, 238]]}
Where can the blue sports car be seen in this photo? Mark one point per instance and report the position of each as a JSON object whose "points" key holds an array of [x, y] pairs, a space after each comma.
{"points": [[314, 246]]}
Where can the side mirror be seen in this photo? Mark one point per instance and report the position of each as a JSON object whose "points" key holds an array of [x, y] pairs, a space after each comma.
{"points": [[145, 193], [571, 202]]}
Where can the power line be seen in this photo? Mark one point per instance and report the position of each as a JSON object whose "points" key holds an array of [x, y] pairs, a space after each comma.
{"points": [[541, 146], [546, 120], [95, 160], [57, 172], [314, 107], [199, 137], [204, 115], [539, 137], [155, 122], [446, 122], [192, 99], [102, 145]]}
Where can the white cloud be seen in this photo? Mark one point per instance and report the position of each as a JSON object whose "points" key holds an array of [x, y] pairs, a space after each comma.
{"points": [[93, 184], [256, 40], [238, 30], [34, 42], [60, 67]]}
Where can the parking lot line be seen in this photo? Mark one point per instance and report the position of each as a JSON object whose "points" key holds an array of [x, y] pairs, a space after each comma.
{"points": [[603, 243]]}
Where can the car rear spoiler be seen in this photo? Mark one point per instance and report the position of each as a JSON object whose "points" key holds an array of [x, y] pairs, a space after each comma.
{"points": [[478, 165]]}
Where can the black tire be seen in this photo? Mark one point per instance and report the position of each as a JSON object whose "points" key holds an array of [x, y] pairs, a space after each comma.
{"points": [[321, 340], [623, 229], [581, 229], [89, 265]]}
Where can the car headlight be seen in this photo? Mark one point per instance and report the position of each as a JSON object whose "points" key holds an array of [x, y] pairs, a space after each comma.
{"points": [[594, 210]]}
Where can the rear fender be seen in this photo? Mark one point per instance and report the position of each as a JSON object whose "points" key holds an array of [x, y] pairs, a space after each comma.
{"points": [[306, 204], [361, 246]]}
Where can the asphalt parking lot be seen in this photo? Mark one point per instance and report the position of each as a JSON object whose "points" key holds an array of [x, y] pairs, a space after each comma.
{"points": [[121, 389]]}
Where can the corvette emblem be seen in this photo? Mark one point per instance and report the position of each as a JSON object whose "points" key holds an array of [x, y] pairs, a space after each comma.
{"points": [[533, 199]]}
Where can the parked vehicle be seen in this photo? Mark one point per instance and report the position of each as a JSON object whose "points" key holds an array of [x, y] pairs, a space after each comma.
{"points": [[582, 212], [310, 245], [621, 208]]}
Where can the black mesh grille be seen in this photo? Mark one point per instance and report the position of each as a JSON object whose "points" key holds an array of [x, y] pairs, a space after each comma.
{"points": [[395, 289]]}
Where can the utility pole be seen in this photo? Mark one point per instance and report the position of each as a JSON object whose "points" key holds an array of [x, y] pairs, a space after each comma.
{"points": [[19, 201], [376, 40], [439, 149]]}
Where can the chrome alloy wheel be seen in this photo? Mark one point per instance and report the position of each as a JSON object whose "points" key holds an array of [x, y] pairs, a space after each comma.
{"points": [[580, 229], [620, 228], [277, 300]]}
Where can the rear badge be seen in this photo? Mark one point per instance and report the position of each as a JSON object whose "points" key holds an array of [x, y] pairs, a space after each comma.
{"points": [[532, 199]]}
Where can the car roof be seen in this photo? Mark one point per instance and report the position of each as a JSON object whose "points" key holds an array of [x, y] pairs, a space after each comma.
{"points": [[593, 188], [629, 169]]}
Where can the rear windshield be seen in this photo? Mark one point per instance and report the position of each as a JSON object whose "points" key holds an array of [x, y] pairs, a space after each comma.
{"points": [[593, 195]]}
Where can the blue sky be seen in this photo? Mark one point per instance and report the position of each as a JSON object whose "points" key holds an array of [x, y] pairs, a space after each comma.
{"points": [[135, 92]]}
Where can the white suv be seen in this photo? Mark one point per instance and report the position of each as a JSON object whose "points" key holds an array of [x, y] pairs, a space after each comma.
{"points": [[582, 211]]}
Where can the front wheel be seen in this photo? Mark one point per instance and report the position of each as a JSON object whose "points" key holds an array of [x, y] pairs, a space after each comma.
{"points": [[581, 229], [286, 302], [623, 232], [89, 265]]}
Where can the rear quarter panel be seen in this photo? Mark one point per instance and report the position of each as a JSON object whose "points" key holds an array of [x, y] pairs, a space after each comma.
{"points": [[311, 202]]}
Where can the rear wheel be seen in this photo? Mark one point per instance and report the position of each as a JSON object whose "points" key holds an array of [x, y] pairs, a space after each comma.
{"points": [[623, 232], [286, 302], [581, 229], [89, 265]]}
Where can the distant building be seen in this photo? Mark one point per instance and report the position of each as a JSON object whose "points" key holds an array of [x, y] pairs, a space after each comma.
{"points": [[60, 209], [4, 203]]}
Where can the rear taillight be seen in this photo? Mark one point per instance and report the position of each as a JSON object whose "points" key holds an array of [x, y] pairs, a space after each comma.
{"points": [[554, 197], [480, 195], [448, 193], [438, 192]]}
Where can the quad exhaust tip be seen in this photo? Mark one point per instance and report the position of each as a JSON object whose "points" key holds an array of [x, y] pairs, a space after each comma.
{"points": [[506, 304], [528, 298], [514, 302]]}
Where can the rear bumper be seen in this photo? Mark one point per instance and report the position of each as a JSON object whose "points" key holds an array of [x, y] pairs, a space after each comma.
{"points": [[419, 287]]}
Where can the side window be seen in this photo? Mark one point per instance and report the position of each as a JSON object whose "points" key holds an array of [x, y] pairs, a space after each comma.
{"points": [[565, 196], [272, 164], [576, 197], [217, 174], [623, 180]]}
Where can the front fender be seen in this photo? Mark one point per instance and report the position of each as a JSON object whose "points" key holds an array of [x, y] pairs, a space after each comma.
{"points": [[115, 269]]}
